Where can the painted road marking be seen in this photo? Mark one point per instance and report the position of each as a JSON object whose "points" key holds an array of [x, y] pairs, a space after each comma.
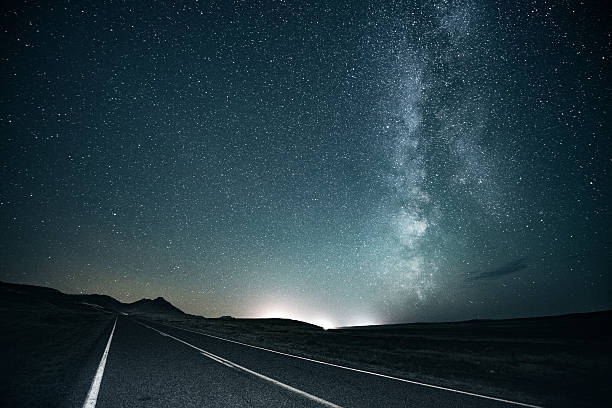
{"points": [[92, 395], [246, 370], [522, 404], [216, 358]]}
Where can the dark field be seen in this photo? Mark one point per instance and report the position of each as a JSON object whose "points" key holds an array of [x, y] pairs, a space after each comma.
{"points": [[44, 347], [553, 361]]}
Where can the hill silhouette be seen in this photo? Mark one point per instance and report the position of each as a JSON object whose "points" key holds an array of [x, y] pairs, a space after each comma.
{"points": [[152, 306], [38, 295]]}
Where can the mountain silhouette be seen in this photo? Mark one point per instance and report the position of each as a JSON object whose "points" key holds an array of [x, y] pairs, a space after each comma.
{"points": [[42, 296], [152, 306]]}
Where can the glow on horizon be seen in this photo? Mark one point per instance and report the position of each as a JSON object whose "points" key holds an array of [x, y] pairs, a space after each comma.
{"points": [[363, 321], [286, 312], [278, 310]]}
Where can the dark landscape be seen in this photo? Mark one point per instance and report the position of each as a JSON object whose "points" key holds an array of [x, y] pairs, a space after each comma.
{"points": [[47, 337], [51, 343]]}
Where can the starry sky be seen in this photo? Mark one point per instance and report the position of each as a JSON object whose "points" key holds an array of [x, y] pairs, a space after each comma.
{"points": [[339, 162]]}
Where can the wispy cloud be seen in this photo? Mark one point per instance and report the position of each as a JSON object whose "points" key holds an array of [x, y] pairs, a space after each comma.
{"points": [[506, 269]]}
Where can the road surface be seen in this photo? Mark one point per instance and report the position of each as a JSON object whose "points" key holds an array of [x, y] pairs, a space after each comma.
{"points": [[150, 365]]}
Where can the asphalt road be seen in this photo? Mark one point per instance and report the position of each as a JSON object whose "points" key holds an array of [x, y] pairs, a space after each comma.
{"points": [[161, 366]]}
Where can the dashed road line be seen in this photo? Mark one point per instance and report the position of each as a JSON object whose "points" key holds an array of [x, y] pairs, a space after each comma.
{"points": [[246, 370], [522, 404]]}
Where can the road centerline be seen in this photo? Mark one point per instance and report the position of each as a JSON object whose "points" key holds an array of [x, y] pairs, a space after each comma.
{"points": [[216, 358]]}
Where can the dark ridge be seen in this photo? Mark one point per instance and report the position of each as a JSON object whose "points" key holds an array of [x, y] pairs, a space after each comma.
{"points": [[582, 324], [39, 294], [152, 306]]}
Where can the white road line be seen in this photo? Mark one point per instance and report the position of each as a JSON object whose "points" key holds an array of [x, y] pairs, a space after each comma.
{"points": [[522, 404], [246, 370], [213, 357], [92, 395]]}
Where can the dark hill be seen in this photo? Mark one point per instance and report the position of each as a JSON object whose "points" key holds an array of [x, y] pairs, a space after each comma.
{"points": [[38, 295], [104, 301], [152, 306]]}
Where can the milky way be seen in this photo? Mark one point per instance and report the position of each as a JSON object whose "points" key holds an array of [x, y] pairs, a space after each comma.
{"points": [[341, 164], [431, 124]]}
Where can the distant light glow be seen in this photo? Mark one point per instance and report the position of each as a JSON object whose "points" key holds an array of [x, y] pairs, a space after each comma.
{"points": [[364, 321], [286, 311], [314, 314]]}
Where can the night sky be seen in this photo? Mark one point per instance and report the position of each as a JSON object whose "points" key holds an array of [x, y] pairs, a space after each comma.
{"points": [[336, 162]]}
